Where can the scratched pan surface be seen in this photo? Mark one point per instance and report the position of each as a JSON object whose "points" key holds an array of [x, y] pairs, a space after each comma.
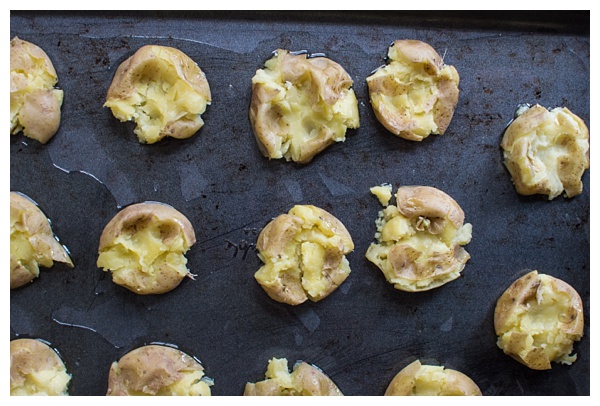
{"points": [[366, 331]]}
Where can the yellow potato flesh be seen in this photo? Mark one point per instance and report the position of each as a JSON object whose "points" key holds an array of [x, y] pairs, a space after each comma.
{"points": [[383, 193], [303, 114], [51, 382], [143, 252], [540, 319], [161, 97], [305, 256]]}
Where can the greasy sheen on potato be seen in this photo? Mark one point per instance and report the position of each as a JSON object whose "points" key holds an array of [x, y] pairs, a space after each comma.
{"points": [[304, 254], [34, 101], [36, 369], [304, 380], [537, 320], [157, 370], [417, 379], [32, 242], [300, 105], [162, 90], [420, 239], [415, 94], [144, 246], [547, 152]]}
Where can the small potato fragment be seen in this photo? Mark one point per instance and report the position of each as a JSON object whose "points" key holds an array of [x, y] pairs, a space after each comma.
{"points": [[415, 94], [304, 380], [157, 370], [304, 254], [547, 152], [419, 241], [428, 380], [36, 369], [34, 101], [300, 105], [32, 242], [537, 320], [162, 90], [144, 246]]}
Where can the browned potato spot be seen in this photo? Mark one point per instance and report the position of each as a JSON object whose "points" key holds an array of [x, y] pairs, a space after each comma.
{"points": [[304, 253], [34, 102], [428, 380], [32, 242], [537, 320], [157, 370], [162, 90], [419, 241], [415, 94], [144, 246], [36, 369], [301, 105], [305, 380], [547, 152]]}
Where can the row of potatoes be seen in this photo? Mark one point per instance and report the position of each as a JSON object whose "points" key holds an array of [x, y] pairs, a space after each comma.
{"points": [[160, 370], [303, 103]]}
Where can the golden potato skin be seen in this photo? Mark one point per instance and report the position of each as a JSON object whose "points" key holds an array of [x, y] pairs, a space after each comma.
{"points": [[415, 94], [529, 345], [130, 94], [286, 276], [34, 101], [157, 370], [547, 152], [34, 361], [32, 242], [300, 105], [409, 380], [419, 241], [304, 380], [168, 228]]}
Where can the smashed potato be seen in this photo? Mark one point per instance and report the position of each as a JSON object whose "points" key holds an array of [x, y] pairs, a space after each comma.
{"points": [[36, 369], [162, 90], [417, 379], [144, 246], [304, 254], [547, 152], [419, 240], [415, 94], [32, 242], [157, 370], [305, 380], [537, 320], [301, 105], [34, 101]]}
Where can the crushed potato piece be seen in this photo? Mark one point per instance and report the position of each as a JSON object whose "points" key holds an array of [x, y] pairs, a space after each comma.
{"points": [[34, 101], [304, 380], [415, 94], [162, 90], [304, 255], [301, 105], [417, 379], [36, 369], [144, 246], [538, 319], [547, 152], [419, 241]]}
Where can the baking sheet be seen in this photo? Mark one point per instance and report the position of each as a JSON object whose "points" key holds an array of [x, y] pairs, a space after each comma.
{"points": [[365, 332]]}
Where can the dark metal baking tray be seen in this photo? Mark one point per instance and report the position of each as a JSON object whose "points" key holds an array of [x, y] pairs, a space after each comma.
{"points": [[365, 332]]}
